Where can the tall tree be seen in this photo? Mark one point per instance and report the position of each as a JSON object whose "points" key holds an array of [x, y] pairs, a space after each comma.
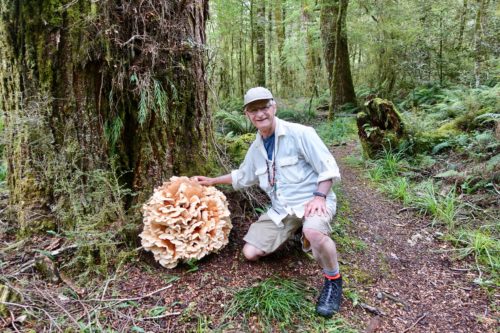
{"points": [[280, 39], [311, 57], [86, 85], [336, 53], [479, 26], [260, 43]]}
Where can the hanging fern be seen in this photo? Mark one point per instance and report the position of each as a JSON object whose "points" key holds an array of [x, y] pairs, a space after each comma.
{"points": [[143, 106], [161, 100]]}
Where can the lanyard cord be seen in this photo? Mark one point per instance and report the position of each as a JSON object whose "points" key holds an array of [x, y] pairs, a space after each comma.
{"points": [[272, 178]]}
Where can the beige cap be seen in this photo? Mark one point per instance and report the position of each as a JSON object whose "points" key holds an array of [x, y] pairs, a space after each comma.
{"points": [[256, 94]]}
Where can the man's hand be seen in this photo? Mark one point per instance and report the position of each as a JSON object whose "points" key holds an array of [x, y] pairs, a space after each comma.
{"points": [[317, 206], [208, 181]]}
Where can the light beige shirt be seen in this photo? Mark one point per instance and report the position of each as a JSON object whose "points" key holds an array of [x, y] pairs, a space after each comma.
{"points": [[302, 161]]}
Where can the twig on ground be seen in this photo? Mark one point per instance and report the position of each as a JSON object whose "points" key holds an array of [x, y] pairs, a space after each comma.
{"points": [[162, 316], [460, 269], [127, 299], [13, 321], [371, 309], [397, 300], [415, 323]]}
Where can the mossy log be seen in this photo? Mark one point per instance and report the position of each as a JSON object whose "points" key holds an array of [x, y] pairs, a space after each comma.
{"points": [[379, 126], [8, 295]]}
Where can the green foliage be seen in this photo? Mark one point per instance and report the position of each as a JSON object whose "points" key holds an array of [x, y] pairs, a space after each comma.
{"points": [[388, 164], [153, 97], [454, 108], [341, 130], [399, 188], [233, 123], [481, 245], [113, 130], [3, 171], [442, 208], [273, 301], [237, 146], [301, 115]]}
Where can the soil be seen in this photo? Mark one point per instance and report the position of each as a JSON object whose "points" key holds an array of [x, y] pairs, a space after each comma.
{"points": [[404, 272]]}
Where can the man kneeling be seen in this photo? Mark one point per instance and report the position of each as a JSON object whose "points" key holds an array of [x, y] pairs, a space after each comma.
{"points": [[294, 167]]}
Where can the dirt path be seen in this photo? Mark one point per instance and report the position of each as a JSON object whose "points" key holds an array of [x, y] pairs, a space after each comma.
{"points": [[403, 272]]}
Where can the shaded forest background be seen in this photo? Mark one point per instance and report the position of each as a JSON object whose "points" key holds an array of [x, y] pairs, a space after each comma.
{"points": [[103, 100]]}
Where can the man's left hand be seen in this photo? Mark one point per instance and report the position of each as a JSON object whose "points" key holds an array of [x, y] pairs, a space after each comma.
{"points": [[317, 206]]}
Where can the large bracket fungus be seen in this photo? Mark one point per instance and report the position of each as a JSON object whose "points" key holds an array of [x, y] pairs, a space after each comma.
{"points": [[184, 220]]}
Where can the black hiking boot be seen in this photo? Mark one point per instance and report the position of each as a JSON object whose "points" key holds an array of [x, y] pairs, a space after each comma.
{"points": [[329, 300]]}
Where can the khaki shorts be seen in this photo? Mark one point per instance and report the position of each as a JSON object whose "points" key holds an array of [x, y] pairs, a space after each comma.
{"points": [[265, 235]]}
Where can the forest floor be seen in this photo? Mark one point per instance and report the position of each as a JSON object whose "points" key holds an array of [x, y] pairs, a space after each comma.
{"points": [[400, 270]]}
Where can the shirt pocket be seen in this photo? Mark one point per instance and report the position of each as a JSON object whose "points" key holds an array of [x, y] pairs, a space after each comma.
{"points": [[261, 173], [291, 170]]}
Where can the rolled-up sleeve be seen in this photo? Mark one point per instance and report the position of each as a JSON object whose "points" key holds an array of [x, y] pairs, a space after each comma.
{"points": [[245, 175], [319, 157]]}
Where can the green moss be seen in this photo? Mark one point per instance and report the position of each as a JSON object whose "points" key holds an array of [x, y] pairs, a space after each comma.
{"points": [[359, 275], [237, 147], [31, 227], [51, 12]]}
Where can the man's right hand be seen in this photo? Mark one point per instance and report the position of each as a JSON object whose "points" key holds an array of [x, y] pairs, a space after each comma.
{"points": [[208, 181]]}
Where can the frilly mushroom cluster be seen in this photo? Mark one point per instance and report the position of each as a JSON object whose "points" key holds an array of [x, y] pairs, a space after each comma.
{"points": [[184, 220]]}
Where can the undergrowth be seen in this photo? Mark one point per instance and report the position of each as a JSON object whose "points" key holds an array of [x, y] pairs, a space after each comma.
{"points": [[284, 304], [339, 131], [455, 178]]}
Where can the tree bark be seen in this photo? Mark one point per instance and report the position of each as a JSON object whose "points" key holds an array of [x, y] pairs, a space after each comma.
{"points": [[260, 43], [280, 39], [86, 85], [336, 53], [310, 51], [478, 40], [463, 18]]}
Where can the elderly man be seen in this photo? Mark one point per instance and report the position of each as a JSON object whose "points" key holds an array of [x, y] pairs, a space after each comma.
{"points": [[294, 167]]}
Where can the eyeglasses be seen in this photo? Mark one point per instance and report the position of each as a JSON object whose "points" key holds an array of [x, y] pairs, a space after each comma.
{"points": [[254, 111]]}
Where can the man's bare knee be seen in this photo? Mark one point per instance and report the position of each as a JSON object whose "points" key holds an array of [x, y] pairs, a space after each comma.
{"points": [[314, 236], [252, 253]]}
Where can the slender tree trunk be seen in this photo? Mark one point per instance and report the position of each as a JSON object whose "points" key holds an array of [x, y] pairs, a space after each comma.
{"points": [[310, 51], [463, 19], [90, 84], [335, 48], [280, 38], [327, 26], [478, 37], [270, 81], [260, 42], [441, 37], [241, 51], [252, 34]]}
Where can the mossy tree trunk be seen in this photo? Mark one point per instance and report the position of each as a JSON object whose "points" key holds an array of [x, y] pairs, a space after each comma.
{"points": [[89, 85], [260, 43], [336, 53], [379, 127]]}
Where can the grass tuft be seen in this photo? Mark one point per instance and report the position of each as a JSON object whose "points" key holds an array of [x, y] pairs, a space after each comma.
{"points": [[479, 244], [273, 301]]}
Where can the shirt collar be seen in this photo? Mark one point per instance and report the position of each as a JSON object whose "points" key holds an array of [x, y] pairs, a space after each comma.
{"points": [[279, 130]]}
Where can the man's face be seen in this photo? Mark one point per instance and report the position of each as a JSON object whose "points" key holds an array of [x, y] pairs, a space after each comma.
{"points": [[261, 114]]}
